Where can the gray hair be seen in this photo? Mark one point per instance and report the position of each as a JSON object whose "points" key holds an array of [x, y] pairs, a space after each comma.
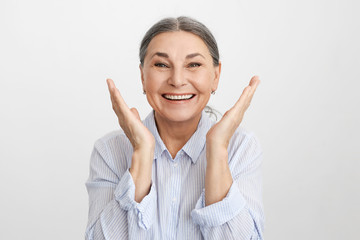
{"points": [[180, 24]]}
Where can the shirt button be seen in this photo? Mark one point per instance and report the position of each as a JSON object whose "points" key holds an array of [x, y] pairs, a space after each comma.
{"points": [[174, 199], [175, 164]]}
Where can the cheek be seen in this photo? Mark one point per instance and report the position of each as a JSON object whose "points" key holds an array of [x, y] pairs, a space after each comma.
{"points": [[203, 81], [153, 80]]}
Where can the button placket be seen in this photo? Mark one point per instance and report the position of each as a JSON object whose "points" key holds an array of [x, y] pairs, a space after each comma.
{"points": [[175, 193], [176, 180]]}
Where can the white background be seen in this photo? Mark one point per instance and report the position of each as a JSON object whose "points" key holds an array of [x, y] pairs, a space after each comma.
{"points": [[54, 104]]}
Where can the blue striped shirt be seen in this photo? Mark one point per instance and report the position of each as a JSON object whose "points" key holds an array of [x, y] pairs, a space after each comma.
{"points": [[175, 206]]}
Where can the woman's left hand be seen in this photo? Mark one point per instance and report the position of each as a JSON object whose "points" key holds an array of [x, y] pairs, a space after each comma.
{"points": [[220, 134], [218, 178]]}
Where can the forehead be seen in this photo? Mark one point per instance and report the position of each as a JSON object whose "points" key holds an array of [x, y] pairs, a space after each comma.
{"points": [[179, 43]]}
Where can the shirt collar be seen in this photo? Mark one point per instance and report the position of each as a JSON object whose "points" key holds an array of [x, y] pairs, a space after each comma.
{"points": [[194, 145], [149, 122]]}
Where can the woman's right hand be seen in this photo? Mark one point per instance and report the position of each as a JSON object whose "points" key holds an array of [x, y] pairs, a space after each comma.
{"points": [[129, 120], [141, 139]]}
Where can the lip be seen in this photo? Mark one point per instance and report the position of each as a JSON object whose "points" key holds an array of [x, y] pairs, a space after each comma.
{"points": [[178, 101], [177, 94]]}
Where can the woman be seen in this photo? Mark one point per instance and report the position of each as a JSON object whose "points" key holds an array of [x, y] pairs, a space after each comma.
{"points": [[177, 174]]}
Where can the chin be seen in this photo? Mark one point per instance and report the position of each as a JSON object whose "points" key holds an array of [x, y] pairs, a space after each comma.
{"points": [[180, 115]]}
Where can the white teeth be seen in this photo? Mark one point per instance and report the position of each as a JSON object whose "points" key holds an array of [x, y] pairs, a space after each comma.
{"points": [[178, 97]]}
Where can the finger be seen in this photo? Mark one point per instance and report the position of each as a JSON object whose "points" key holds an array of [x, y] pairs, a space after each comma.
{"points": [[135, 112], [111, 87], [118, 104], [239, 105], [244, 101], [115, 94], [110, 84], [238, 110], [254, 82]]}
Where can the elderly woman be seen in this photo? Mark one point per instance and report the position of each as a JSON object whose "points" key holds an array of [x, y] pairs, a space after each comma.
{"points": [[177, 174]]}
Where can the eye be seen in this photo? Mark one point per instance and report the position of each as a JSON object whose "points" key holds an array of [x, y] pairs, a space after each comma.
{"points": [[194, 65], [161, 65]]}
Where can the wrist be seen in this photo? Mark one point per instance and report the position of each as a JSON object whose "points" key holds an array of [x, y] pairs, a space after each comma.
{"points": [[141, 171], [144, 152], [216, 152], [141, 162]]}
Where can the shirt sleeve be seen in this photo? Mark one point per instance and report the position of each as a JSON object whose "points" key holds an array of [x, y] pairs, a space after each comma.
{"points": [[240, 214], [113, 211]]}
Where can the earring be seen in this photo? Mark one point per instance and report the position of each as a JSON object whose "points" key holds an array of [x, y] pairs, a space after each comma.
{"points": [[213, 92], [144, 92]]}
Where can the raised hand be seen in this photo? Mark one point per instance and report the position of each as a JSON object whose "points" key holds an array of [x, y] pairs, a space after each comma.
{"points": [[220, 134], [141, 139], [129, 120], [218, 178]]}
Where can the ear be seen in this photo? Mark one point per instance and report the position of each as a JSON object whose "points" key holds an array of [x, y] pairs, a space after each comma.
{"points": [[142, 74], [217, 77]]}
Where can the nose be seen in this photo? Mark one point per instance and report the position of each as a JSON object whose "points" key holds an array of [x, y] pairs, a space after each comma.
{"points": [[177, 77]]}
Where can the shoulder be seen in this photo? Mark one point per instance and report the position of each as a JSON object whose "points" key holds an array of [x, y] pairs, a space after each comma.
{"points": [[244, 137], [115, 149], [113, 139], [244, 147]]}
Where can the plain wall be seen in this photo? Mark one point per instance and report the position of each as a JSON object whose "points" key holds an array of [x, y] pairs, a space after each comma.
{"points": [[56, 55]]}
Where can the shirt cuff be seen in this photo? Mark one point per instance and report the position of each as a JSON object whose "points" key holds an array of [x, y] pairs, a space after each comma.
{"points": [[220, 212], [125, 195]]}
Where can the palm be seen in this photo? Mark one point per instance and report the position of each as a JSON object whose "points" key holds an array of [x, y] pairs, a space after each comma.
{"points": [[129, 120], [221, 133]]}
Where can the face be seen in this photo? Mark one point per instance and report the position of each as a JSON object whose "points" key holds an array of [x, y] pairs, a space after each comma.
{"points": [[178, 76]]}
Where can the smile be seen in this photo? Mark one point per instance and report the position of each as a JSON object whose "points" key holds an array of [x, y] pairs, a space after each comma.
{"points": [[178, 97]]}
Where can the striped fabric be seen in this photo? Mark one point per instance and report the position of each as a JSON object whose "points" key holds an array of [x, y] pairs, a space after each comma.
{"points": [[174, 207]]}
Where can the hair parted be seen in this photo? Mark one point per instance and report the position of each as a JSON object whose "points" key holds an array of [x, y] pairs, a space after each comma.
{"points": [[182, 23]]}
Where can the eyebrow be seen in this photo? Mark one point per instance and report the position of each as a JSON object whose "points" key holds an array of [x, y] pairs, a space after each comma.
{"points": [[160, 54], [165, 55], [194, 55]]}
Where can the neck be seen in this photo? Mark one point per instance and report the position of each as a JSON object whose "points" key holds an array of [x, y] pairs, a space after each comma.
{"points": [[176, 134]]}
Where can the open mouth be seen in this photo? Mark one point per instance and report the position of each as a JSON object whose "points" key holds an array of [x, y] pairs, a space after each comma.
{"points": [[178, 97]]}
